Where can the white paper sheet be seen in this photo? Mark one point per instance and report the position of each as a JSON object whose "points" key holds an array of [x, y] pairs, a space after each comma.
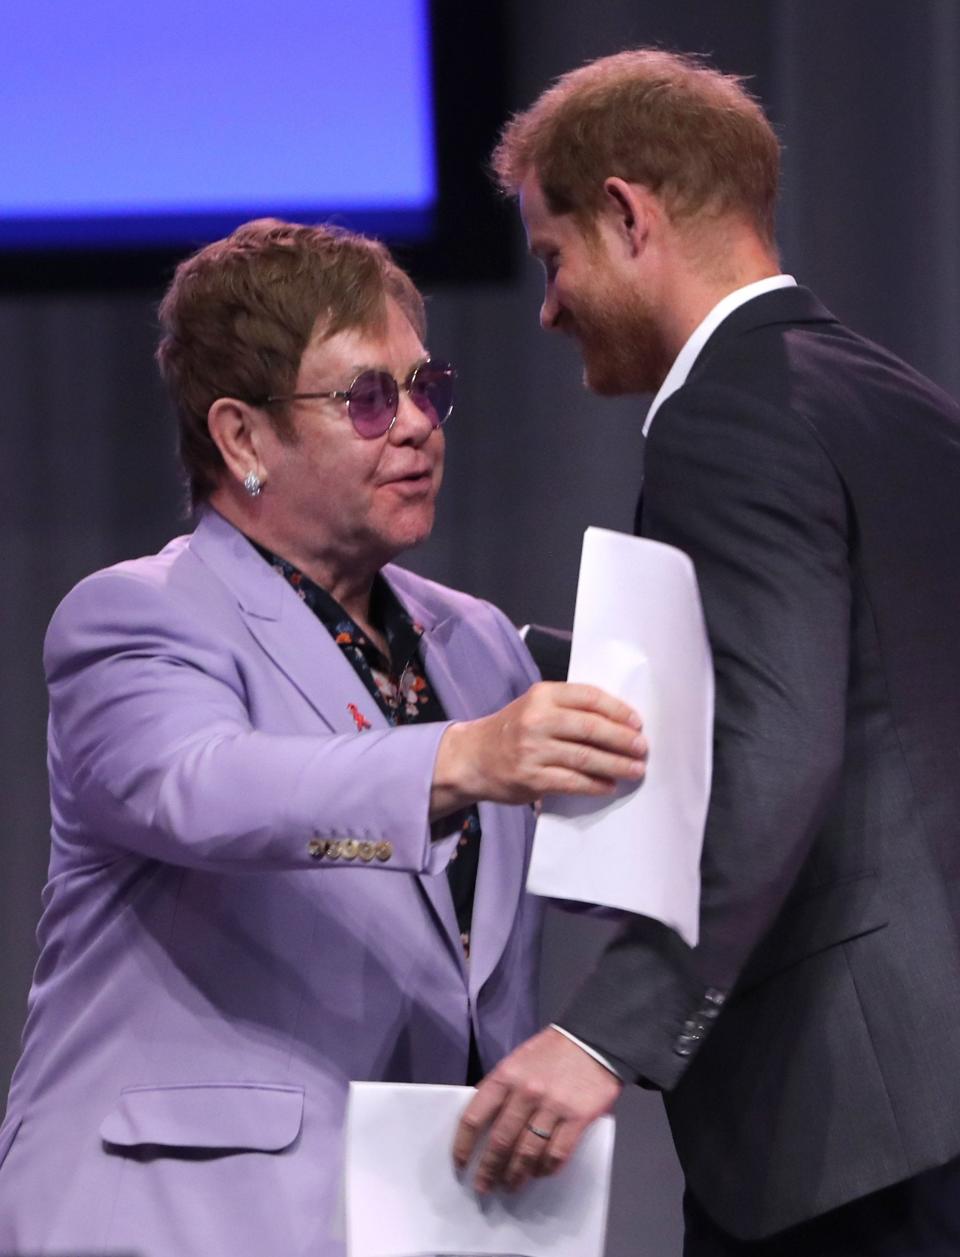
{"points": [[638, 632], [405, 1199]]}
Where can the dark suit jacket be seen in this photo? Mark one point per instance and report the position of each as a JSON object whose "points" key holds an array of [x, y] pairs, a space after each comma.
{"points": [[815, 481]]}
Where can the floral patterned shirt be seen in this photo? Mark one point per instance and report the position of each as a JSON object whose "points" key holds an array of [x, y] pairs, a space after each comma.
{"points": [[400, 688]]}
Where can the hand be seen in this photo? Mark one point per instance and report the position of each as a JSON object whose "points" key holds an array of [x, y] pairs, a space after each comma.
{"points": [[547, 1083], [557, 738]]}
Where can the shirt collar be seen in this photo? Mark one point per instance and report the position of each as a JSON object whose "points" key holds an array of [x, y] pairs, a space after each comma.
{"points": [[683, 363], [386, 611]]}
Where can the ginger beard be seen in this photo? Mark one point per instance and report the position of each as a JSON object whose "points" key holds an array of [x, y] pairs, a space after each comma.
{"points": [[621, 343]]}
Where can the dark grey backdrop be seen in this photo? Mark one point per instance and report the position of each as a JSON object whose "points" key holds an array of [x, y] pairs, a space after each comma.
{"points": [[865, 95]]}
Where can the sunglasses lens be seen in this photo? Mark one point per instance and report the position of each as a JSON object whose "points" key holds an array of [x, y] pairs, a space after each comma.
{"points": [[432, 390], [373, 403]]}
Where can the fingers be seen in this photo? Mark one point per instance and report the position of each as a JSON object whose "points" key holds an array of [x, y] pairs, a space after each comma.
{"points": [[565, 727], [527, 1139], [555, 739], [535, 1152], [591, 774], [477, 1116], [560, 1149], [510, 1142], [579, 725], [590, 698], [515, 1132], [528, 1116], [598, 747], [583, 714]]}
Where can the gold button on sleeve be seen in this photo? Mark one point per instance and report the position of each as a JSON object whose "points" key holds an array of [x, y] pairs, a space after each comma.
{"points": [[366, 851], [317, 848], [349, 848], [383, 851]]}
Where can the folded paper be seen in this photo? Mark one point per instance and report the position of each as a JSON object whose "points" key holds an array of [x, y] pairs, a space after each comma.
{"points": [[405, 1199], [639, 633]]}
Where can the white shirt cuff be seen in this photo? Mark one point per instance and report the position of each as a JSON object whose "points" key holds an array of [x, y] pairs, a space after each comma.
{"points": [[601, 1060]]}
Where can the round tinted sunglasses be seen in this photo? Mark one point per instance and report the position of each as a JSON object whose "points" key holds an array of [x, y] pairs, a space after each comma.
{"points": [[373, 398]]}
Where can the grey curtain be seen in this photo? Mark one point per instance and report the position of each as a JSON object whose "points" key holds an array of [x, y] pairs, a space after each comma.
{"points": [[864, 94]]}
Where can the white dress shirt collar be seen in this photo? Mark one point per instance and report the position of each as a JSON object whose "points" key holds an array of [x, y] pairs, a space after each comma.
{"points": [[682, 364]]}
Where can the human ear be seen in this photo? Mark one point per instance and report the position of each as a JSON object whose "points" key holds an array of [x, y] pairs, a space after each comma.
{"points": [[631, 211], [235, 428]]}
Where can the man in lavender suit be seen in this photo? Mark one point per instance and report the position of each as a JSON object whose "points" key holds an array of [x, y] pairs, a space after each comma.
{"points": [[290, 788]]}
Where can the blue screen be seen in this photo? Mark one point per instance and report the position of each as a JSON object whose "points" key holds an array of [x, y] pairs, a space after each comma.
{"points": [[125, 122]]}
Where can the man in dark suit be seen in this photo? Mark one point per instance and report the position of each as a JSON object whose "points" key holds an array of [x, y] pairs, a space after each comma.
{"points": [[809, 1047]]}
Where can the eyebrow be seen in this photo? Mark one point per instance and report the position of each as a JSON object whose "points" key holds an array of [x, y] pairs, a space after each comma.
{"points": [[358, 369]]}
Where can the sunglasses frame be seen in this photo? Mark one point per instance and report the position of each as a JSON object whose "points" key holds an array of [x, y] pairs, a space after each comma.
{"points": [[346, 395]]}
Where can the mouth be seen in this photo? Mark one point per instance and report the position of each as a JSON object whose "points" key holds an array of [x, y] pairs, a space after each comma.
{"points": [[415, 481], [564, 324]]}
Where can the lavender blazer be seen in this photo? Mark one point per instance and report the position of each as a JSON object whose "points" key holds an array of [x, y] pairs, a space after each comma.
{"points": [[209, 982]]}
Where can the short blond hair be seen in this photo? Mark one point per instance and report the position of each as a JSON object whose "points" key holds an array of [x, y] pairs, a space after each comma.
{"points": [[668, 121]]}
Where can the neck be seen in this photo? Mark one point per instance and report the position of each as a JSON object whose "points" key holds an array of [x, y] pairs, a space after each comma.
{"points": [[348, 580], [710, 267]]}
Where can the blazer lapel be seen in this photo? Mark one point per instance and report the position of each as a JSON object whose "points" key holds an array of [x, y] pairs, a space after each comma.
{"points": [[451, 667], [436, 886], [285, 627]]}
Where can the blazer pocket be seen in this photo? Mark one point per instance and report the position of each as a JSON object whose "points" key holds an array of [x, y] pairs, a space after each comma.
{"points": [[820, 919], [261, 1117]]}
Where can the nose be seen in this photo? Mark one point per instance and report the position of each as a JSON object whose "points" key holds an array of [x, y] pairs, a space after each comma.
{"points": [[411, 426], [549, 309]]}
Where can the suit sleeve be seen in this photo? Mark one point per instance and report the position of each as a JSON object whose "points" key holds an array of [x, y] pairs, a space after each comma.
{"points": [[152, 751], [749, 493]]}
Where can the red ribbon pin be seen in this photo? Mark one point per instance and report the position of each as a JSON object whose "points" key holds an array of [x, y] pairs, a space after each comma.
{"points": [[359, 719]]}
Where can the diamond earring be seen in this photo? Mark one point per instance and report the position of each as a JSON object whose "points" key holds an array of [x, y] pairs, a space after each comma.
{"points": [[253, 484]]}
